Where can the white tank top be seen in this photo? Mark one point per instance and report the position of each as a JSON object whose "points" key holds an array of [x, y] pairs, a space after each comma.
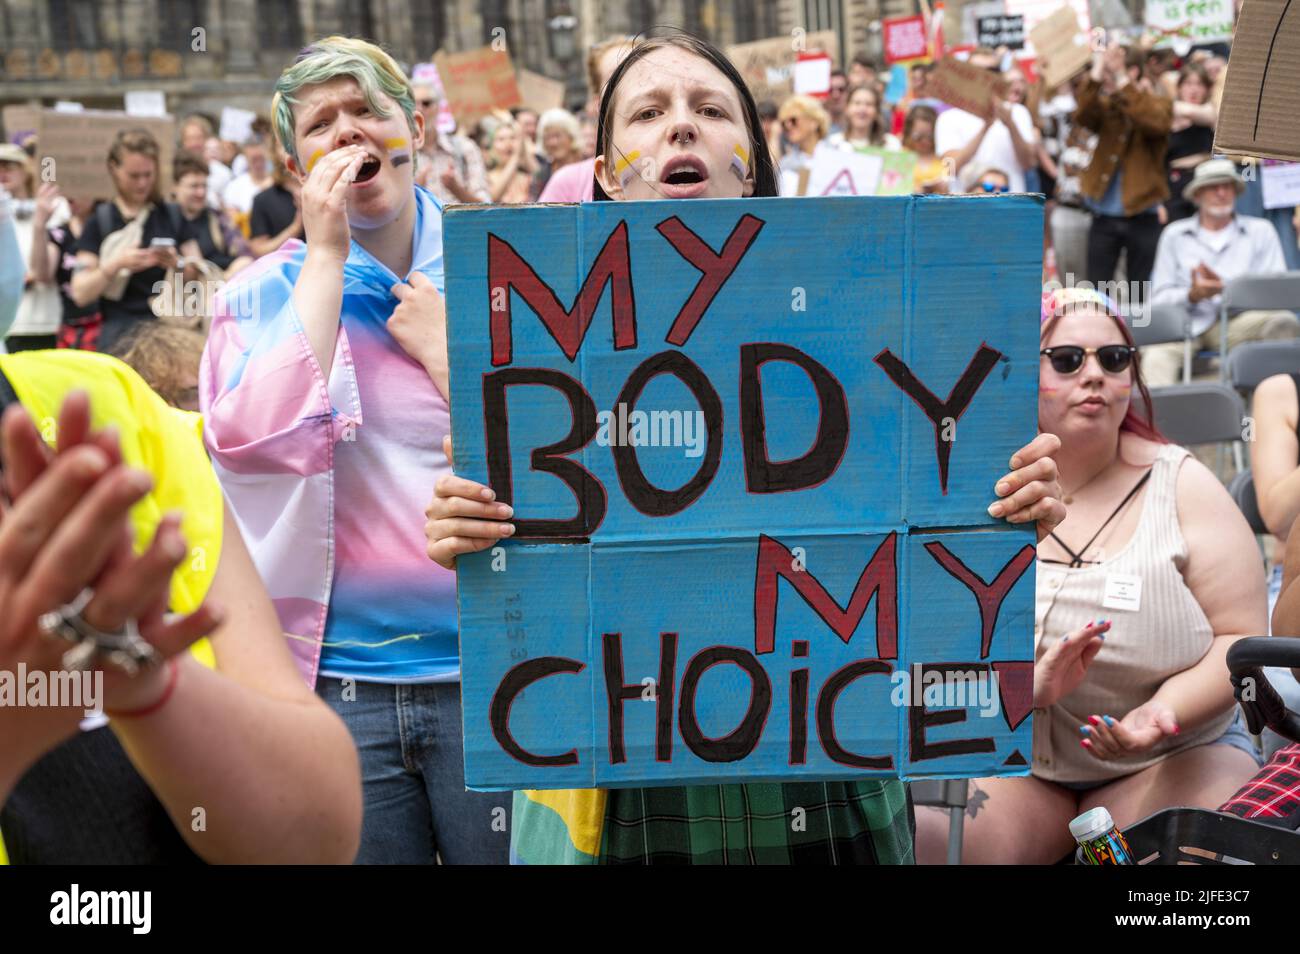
{"points": [[1166, 634]]}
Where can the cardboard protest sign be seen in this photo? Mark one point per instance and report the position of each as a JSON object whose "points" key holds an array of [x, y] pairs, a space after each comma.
{"points": [[967, 87], [79, 142], [812, 74], [905, 39], [768, 65], [236, 124], [1280, 182], [540, 93], [1257, 113], [477, 82], [145, 102], [750, 446], [857, 172], [1201, 21], [1063, 49], [1001, 30], [20, 122]]}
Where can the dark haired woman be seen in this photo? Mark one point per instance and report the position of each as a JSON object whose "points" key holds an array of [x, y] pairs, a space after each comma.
{"points": [[675, 96]]}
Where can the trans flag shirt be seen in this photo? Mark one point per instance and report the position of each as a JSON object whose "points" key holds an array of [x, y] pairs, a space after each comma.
{"points": [[329, 477]]}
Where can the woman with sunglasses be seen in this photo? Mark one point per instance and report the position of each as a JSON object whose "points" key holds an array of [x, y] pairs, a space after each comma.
{"points": [[805, 124], [1141, 589]]}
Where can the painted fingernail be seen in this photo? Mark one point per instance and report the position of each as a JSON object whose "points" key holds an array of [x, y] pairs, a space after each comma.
{"points": [[1094, 720], [1109, 720], [1065, 639], [1177, 729], [995, 509], [1101, 635], [505, 510], [1002, 487], [1085, 729], [1085, 743]]}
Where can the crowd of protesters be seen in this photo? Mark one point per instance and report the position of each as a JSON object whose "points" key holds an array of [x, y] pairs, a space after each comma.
{"points": [[1123, 153]]}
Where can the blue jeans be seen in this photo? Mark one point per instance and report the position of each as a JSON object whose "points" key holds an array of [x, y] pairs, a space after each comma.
{"points": [[417, 809]]}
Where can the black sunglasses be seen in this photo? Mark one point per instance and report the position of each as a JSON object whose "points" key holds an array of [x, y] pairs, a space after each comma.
{"points": [[1067, 359]]}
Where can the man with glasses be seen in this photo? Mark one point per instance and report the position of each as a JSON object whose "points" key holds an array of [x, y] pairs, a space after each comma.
{"points": [[453, 169], [1197, 256]]}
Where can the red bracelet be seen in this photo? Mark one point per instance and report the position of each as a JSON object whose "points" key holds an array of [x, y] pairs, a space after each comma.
{"points": [[173, 674]]}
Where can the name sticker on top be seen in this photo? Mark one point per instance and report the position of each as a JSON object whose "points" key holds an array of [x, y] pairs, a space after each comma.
{"points": [[1123, 592]]}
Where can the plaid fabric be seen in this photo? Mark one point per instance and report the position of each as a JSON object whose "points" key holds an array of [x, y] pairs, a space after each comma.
{"points": [[1274, 793], [867, 823]]}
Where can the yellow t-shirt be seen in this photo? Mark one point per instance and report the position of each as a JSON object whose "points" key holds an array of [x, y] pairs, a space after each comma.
{"points": [[155, 437]]}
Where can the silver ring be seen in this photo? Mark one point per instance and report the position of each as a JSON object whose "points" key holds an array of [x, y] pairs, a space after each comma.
{"points": [[125, 649]]}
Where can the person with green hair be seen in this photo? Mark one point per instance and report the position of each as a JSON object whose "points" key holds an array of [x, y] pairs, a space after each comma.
{"points": [[323, 389]]}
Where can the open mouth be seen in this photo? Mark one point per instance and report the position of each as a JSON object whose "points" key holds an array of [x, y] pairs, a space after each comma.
{"points": [[684, 171], [369, 169], [684, 176]]}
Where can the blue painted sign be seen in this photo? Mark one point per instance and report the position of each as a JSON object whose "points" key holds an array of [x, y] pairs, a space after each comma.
{"points": [[750, 445]]}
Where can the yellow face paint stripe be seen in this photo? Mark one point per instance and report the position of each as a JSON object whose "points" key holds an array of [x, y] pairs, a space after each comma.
{"points": [[314, 158]]}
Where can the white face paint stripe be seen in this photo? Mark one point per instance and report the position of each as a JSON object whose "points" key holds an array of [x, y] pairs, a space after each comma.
{"points": [[624, 169], [739, 161]]}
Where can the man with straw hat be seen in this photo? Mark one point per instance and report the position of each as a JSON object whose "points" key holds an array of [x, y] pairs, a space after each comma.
{"points": [[1196, 257]]}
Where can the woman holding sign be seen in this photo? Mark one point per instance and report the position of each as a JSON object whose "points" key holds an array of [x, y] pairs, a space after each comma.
{"points": [[323, 393], [677, 105]]}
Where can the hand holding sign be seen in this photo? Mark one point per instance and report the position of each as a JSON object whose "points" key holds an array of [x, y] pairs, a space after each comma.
{"points": [[462, 517], [1030, 491]]}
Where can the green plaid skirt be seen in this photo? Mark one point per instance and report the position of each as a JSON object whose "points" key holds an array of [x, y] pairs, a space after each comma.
{"points": [[865, 823]]}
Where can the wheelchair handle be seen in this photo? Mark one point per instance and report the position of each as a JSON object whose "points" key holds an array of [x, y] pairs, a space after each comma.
{"points": [[1260, 702]]}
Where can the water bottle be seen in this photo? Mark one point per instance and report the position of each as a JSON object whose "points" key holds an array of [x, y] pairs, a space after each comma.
{"points": [[1100, 841]]}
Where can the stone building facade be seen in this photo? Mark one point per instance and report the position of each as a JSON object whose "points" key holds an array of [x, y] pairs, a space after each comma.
{"points": [[205, 54]]}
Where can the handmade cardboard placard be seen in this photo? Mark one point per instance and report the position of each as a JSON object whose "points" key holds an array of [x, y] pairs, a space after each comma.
{"points": [[768, 65], [967, 87], [865, 172], [1257, 114], [750, 445], [79, 143], [540, 93], [476, 82], [1062, 47], [1200, 21]]}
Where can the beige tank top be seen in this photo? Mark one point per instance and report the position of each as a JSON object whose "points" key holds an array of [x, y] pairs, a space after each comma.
{"points": [[1166, 633]]}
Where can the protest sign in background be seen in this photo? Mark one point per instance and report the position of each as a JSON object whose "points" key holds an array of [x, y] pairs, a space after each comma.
{"points": [[963, 85], [1036, 12], [768, 65], [750, 446], [905, 39], [539, 92], [1063, 47], [1257, 113], [1201, 21], [79, 142], [860, 172], [476, 82], [1001, 30]]}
